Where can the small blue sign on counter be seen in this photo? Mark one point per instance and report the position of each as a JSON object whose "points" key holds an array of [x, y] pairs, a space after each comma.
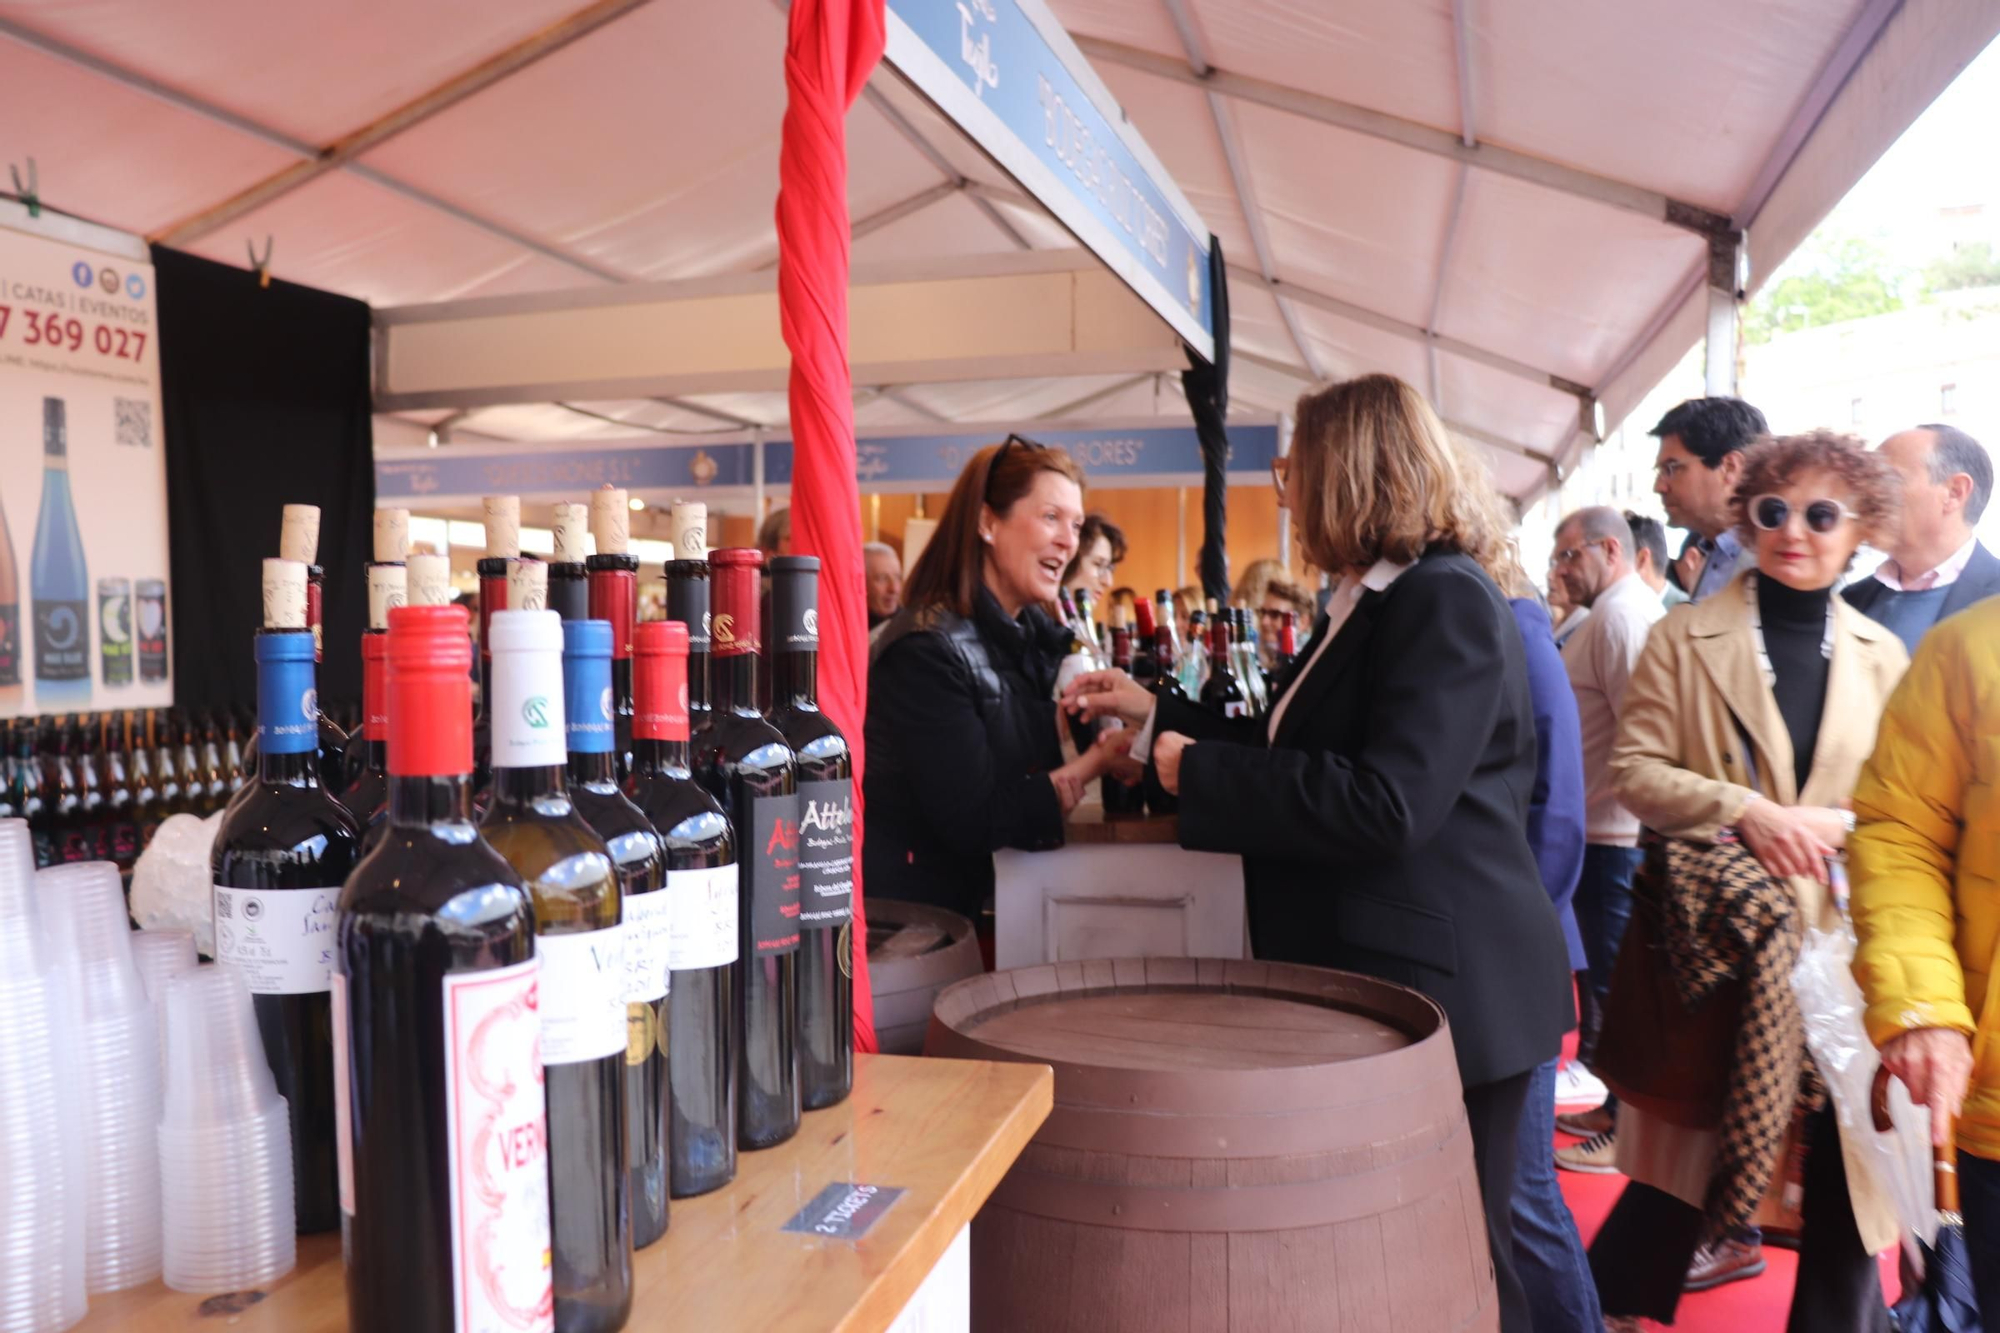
{"points": [[844, 1210]]}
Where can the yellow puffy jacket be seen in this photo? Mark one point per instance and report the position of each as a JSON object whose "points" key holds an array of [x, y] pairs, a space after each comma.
{"points": [[1925, 857]]}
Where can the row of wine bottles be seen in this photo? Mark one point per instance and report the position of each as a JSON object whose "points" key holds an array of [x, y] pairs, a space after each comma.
{"points": [[523, 989]]}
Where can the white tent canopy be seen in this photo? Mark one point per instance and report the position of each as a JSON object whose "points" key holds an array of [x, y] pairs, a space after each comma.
{"points": [[1505, 203]]}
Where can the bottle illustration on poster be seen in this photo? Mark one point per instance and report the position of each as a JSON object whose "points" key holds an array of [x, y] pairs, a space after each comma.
{"points": [[114, 630], [59, 580], [11, 689]]}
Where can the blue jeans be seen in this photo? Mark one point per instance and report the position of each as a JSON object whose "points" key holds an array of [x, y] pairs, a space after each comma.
{"points": [[1548, 1251], [1603, 905], [1979, 1200]]}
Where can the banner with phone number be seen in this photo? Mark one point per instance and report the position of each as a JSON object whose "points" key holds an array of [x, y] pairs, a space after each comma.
{"points": [[83, 479]]}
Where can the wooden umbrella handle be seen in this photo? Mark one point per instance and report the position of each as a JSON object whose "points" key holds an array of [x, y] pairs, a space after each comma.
{"points": [[1944, 1157]]}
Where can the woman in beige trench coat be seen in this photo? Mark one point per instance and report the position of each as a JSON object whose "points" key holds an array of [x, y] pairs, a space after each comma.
{"points": [[1753, 712]]}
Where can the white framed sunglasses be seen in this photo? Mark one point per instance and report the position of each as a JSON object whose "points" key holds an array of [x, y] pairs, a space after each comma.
{"points": [[1772, 512]]}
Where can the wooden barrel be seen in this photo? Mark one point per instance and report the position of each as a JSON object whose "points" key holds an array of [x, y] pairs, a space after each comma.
{"points": [[1239, 1146], [914, 951]]}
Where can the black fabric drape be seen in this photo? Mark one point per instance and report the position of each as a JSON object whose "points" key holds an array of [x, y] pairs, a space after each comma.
{"points": [[1206, 385], [266, 403]]}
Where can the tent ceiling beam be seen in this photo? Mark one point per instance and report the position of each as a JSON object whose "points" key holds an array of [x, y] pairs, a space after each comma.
{"points": [[901, 123], [1468, 135], [1092, 399], [1416, 333], [139, 83], [1409, 133], [448, 94], [713, 414], [1044, 315], [1239, 177], [1476, 433]]}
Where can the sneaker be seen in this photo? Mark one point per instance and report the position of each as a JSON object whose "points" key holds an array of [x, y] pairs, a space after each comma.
{"points": [[1595, 1156], [1577, 1086], [1585, 1124], [1725, 1261]]}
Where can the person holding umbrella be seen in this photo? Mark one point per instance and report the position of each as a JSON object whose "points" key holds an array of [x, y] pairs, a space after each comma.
{"points": [[1924, 861]]}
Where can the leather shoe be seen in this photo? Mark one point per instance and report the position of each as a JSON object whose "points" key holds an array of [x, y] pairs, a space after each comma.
{"points": [[1596, 1156], [1725, 1261], [1585, 1124]]}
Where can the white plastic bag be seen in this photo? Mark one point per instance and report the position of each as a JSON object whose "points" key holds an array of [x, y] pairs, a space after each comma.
{"points": [[172, 888], [1830, 1000]]}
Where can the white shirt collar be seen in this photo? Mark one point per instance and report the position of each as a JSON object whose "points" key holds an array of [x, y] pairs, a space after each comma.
{"points": [[1383, 573], [1890, 573]]}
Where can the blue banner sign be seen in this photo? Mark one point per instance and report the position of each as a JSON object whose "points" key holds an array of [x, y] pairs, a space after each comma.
{"points": [[1010, 77], [1141, 456]]}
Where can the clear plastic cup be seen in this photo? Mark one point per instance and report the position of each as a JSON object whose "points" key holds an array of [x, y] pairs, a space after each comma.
{"points": [[224, 1142], [160, 956], [115, 1037]]}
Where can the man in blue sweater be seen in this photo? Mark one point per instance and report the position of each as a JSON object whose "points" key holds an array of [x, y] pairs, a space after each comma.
{"points": [[1937, 567]]}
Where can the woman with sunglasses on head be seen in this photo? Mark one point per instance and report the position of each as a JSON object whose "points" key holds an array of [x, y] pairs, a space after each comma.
{"points": [[1381, 809], [964, 755], [1744, 728]]}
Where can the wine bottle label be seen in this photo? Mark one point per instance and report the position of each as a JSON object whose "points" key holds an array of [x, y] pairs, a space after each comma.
{"points": [[388, 588], [826, 852], [773, 862], [343, 1114], [648, 935], [496, 1120], [280, 939], [62, 639], [702, 921], [582, 995], [10, 644], [1237, 708]]}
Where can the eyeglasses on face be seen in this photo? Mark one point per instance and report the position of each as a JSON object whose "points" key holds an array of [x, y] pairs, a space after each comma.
{"points": [[1281, 467], [1569, 555], [1772, 512]]}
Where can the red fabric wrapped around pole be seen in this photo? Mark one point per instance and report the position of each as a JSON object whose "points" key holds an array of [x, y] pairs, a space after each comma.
{"points": [[832, 47]]}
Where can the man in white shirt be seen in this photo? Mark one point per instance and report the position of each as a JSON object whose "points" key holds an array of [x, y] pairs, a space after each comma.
{"points": [[1936, 568], [1594, 561]]}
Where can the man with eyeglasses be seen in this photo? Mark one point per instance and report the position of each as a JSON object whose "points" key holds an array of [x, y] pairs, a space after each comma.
{"points": [[1937, 567], [1701, 456], [1593, 562]]}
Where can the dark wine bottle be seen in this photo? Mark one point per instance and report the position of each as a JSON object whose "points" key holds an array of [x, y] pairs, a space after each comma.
{"points": [[59, 577], [121, 821], [442, 1132], [72, 835], [569, 580], [364, 765], [279, 860], [687, 602], [614, 597], [1223, 692], [298, 539], [90, 784], [579, 941], [825, 845], [1121, 798], [702, 880], [503, 547], [145, 791], [641, 864], [746, 765]]}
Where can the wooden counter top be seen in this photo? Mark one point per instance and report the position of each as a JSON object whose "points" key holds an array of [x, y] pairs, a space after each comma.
{"points": [[1089, 826], [944, 1131]]}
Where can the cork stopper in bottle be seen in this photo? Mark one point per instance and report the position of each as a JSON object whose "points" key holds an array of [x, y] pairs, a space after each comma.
{"points": [[430, 580], [392, 536], [572, 527], [611, 520], [528, 585], [285, 594], [388, 588], [298, 539], [688, 522], [503, 525]]}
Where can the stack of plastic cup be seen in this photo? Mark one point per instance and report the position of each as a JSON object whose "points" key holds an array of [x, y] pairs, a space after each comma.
{"points": [[117, 1069], [225, 1142], [41, 1162], [160, 956]]}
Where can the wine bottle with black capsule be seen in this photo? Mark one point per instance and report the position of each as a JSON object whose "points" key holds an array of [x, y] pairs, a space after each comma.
{"points": [[579, 940], [569, 579], [746, 765], [502, 516], [281, 855], [687, 603], [701, 856], [637, 856], [443, 1132], [825, 845], [614, 597]]}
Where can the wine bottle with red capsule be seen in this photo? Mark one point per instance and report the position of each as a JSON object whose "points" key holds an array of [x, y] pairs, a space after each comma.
{"points": [[747, 766], [443, 1129], [366, 794], [701, 856]]}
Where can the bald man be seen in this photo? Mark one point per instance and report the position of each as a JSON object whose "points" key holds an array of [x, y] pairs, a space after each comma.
{"points": [[1937, 567]]}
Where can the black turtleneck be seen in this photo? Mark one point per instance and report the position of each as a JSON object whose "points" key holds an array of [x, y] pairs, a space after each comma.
{"points": [[1794, 632]]}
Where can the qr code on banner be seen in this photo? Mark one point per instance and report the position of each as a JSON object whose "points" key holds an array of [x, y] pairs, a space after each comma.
{"points": [[135, 422]]}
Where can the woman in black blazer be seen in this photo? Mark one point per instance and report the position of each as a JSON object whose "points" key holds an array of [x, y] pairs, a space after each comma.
{"points": [[1381, 810]]}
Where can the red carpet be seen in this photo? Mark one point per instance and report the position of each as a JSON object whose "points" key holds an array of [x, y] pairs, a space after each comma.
{"points": [[1758, 1305]]}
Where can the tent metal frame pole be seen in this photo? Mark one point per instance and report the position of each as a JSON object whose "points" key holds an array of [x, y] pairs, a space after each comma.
{"points": [[932, 154], [1549, 175]]}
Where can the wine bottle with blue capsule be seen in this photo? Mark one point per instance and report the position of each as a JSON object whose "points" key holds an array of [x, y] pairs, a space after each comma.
{"points": [[637, 855], [280, 858], [59, 577]]}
